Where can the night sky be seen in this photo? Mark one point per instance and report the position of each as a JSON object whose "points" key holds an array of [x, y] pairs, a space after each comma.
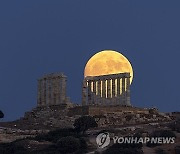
{"points": [[45, 36]]}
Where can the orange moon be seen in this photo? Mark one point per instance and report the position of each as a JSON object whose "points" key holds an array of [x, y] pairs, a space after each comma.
{"points": [[108, 62]]}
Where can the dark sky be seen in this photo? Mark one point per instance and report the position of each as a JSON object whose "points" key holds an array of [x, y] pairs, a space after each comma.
{"points": [[45, 36]]}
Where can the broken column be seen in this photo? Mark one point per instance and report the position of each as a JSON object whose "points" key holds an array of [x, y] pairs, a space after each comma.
{"points": [[52, 89]]}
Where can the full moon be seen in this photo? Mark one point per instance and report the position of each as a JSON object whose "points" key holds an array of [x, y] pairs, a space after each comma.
{"points": [[108, 62]]}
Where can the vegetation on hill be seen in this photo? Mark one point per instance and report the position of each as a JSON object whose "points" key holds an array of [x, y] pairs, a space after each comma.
{"points": [[1, 114], [83, 123], [175, 125], [67, 140], [60, 141]]}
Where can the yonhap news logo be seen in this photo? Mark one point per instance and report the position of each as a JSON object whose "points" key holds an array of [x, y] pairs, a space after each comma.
{"points": [[103, 140]]}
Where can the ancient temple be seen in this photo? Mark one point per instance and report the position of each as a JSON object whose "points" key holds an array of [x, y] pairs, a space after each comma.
{"points": [[52, 90], [113, 89]]}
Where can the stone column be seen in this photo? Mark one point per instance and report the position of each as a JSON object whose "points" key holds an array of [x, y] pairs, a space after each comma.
{"points": [[63, 81], [39, 101], [94, 92], [103, 88], [108, 88], [113, 92], [99, 88], [94, 87], [123, 91], [44, 88], [53, 91], [103, 98], [118, 87], [49, 86], [84, 92], [57, 81], [89, 92], [113, 88], [128, 91], [99, 92], [118, 97]]}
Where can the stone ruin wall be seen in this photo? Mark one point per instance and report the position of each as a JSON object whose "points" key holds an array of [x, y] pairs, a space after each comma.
{"points": [[52, 90], [101, 110]]}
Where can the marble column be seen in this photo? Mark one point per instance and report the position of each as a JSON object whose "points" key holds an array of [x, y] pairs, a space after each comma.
{"points": [[53, 91], [94, 87], [103, 88], [108, 88], [118, 87], [89, 92], [113, 88], [94, 92], [99, 87], [99, 92], [84, 93], [103, 98], [113, 101], [63, 81], [123, 91], [57, 80], [45, 90], [49, 87], [39, 101], [128, 91]]}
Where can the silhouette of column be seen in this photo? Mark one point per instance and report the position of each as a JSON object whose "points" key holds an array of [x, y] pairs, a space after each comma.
{"points": [[118, 87], [108, 88], [113, 101], [99, 92], [113, 88], [53, 91], [57, 81], [103, 88], [45, 90], [89, 92], [123, 91], [39, 101], [94, 92], [128, 91], [84, 92], [63, 81], [94, 86], [49, 91], [118, 91]]}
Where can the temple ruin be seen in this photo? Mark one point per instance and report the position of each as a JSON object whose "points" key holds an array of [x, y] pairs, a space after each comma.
{"points": [[111, 89], [52, 90], [106, 97]]}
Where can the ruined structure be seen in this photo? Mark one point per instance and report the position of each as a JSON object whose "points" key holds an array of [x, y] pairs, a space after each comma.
{"points": [[111, 89], [52, 90], [102, 90], [98, 92], [54, 109]]}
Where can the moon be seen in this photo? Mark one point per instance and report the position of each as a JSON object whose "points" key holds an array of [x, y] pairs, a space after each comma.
{"points": [[108, 62]]}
